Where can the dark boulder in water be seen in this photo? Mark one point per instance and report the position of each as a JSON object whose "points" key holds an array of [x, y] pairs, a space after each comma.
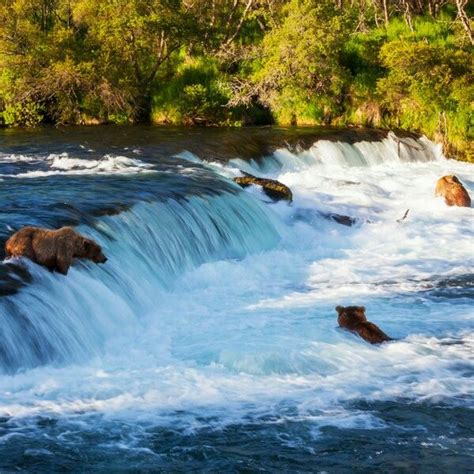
{"points": [[12, 278], [341, 219], [271, 187], [312, 215], [353, 318]]}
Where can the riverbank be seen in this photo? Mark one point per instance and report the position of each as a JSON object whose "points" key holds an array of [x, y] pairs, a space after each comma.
{"points": [[264, 140], [399, 67]]}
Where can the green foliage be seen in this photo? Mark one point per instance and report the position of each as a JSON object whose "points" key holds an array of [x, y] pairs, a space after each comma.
{"points": [[419, 80], [241, 62], [428, 87], [300, 76], [27, 114], [196, 95]]}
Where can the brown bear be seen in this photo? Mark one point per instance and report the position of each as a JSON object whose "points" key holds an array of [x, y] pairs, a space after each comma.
{"points": [[353, 318], [54, 249], [453, 191]]}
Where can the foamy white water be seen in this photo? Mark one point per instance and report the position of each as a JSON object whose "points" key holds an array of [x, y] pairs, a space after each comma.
{"points": [[224, 306], [63, 164]]}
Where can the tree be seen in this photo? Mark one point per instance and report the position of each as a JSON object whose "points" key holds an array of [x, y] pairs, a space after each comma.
{"points": [[299, 74], [134, 40], [48, 60], [464, 19], [429, 88]]}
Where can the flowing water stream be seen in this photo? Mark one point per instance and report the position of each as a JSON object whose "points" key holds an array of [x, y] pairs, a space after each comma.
{"points": [[209, 339]]}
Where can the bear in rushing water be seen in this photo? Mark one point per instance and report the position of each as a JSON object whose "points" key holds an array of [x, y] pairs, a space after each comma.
{"points": [[53, 249], [353, 318], [453, 191]]}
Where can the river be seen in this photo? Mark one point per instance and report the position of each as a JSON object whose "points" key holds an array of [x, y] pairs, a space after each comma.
{"points": [[209, 339]]}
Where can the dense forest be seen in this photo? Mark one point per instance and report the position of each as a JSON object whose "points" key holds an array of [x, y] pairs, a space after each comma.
{"points": [[385, 63]]}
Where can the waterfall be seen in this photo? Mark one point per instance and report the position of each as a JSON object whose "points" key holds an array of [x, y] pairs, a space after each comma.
{"points": [[325, 153], [65, 319]]}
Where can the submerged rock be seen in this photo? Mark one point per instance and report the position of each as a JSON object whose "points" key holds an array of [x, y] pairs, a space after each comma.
{"points": [[453, 191], [341, 219], [12, 278], [271, 187], [53, 249], [312, 216], [353, 318]]}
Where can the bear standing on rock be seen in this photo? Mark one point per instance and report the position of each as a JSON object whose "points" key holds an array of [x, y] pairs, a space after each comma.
{"points": [[353, 318], [53, 249], [453, 191]]}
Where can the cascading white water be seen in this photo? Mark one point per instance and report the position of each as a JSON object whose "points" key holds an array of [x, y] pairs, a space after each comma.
{"points": [[223, 307], [389, 151], [65, 319]]}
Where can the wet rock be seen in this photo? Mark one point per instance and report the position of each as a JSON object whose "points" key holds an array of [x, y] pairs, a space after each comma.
{"points": [[12, 278], [343, 220], [271, 187], [312, 217]]}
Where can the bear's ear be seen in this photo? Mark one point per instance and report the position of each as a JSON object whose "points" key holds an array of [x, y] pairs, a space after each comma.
{"points": [[362, 308], [339, 309], [86, 245]]}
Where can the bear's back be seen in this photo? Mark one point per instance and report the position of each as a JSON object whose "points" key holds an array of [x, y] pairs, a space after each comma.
{"points": [[21, 243], [457, 195], [372, 333], [45, 245], [453, 191], [443, 184]]}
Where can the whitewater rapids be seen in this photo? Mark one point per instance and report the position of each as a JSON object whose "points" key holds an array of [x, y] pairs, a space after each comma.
{"points": [[217, 308]]}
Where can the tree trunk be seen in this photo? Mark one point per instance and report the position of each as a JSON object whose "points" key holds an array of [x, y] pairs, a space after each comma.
{"points": [[465, 20], [408, 14], [143, 107], [385, 11]]}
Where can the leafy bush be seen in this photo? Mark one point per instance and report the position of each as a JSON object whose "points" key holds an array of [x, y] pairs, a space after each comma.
{"points": [[197, 94], [371, 63]]}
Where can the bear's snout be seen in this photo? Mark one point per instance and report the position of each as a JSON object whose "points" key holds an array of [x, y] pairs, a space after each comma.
{"points": [[101, 258]]}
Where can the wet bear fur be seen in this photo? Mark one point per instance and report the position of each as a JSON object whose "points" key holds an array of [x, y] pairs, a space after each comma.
{"points": [[53, 249], [353, 318], [453, 191]]}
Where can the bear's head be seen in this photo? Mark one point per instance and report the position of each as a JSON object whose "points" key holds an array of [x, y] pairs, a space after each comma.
{"points": [[350, 316], [451, 179], [92, 251]]}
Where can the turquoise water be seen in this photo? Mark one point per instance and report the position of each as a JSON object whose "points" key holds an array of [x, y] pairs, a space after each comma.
{"points": [[209, 339]]}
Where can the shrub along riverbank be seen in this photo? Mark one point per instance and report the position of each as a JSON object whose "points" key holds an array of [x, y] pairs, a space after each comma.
{"points": [[405, 64]]}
